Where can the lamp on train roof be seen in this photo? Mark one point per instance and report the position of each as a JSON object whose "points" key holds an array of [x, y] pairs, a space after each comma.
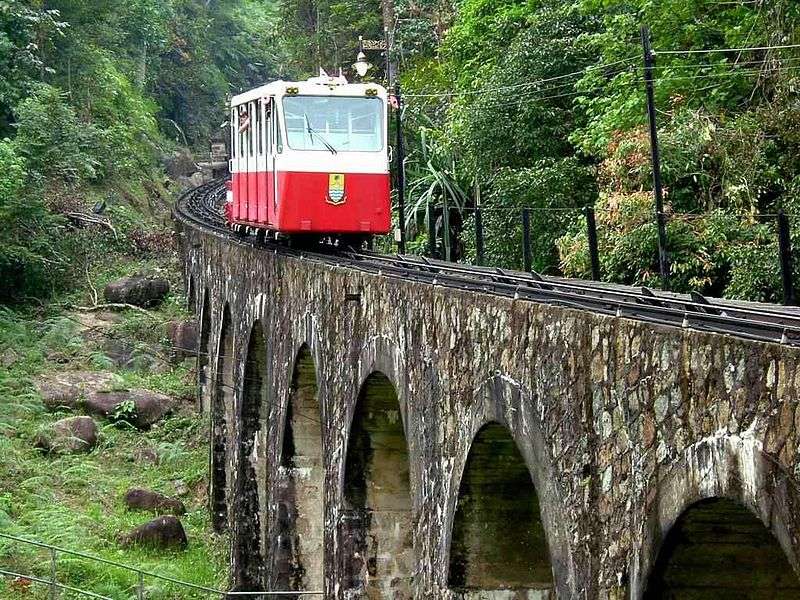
{"points": [[361, 65]]}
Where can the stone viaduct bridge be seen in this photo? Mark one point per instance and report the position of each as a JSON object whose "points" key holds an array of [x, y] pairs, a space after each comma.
{"points": [[375, 437]]}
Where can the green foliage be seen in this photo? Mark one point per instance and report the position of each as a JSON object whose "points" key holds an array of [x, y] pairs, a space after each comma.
{"points": [[715, 253], [324, 33], [718, 82], [30, 256], [435, 176], [554, 190], [76, 501], [26, 34], [51, 138], [534, 93]]}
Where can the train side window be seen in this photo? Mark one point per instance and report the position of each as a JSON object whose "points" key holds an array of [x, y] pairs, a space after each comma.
{"points": [[232, 132], [242, 129], [251, 128], [260, 127], [276, 128], [267, 123]]}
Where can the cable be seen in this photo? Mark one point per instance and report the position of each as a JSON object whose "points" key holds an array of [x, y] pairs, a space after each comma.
{"points": [[534, 98], [597, 67], [733, 73], [753, 49], [518, 85], [729, 65]]}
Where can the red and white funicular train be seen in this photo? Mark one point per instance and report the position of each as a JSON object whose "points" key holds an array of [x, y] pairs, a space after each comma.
{"points": [[310, 159]]}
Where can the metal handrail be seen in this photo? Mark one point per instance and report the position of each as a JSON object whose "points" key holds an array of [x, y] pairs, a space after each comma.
{"points": [[54, 584]]}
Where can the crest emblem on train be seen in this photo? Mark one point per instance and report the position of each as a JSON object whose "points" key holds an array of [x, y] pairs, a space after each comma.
{"points": [[336, 189]]}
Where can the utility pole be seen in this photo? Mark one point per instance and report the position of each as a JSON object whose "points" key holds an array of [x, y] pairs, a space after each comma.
{"points": [[387, 14], [663, 260], [401, 173]]}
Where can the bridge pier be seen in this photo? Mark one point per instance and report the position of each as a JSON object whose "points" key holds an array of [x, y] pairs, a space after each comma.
{"points": [[380, 419]]}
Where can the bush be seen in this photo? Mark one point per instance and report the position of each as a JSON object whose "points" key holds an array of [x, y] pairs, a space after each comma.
{"points": [[556, 190], [716, 253], [52, 140], [29, 258]]}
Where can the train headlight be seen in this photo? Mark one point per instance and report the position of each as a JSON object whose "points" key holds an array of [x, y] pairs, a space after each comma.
{"points": [[371, 92], [292, 91]]}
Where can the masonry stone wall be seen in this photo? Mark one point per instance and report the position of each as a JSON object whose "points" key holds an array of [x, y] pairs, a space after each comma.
{"points": [[622, 425]]}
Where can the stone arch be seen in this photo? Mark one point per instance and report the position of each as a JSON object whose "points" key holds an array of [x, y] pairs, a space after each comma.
{"points": [[378, 523], [717, 548], [221, 401], [721, 467], [498, 540], [191, 295], [204, 355], [300, 489], [248, 560], [502, 401]]}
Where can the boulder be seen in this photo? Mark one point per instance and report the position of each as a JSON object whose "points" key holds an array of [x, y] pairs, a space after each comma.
{"points": [[180, 487], [140, 499], [141, 408], [9, 358], [64, 390], [138, 290], [183, 335], [179, 164], [163, 533], [136, 357], [146, 456], [68, 436]]}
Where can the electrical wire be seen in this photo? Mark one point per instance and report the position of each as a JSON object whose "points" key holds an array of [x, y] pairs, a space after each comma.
{"points": [[723, 50], [727, 65], [521, 85], [733, 73], [604, 66]]}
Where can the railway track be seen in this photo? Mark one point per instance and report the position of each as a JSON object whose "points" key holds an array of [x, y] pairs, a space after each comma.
{"points": [[764, 322]]}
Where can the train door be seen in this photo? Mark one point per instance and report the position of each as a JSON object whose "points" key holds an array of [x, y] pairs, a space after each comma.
{"points": [[276, 149], [262, 150], [240, 189], [252, 125], [233, 164]]}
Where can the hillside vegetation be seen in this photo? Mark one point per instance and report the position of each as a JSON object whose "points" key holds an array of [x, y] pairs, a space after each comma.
{"points": [[96, 100], [541, 104]]}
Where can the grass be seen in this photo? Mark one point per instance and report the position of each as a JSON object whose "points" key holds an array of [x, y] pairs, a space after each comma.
{"points": [[76, 501]]}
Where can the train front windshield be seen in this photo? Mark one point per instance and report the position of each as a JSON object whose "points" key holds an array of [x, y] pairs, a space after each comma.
{"points": [[334, 124]]}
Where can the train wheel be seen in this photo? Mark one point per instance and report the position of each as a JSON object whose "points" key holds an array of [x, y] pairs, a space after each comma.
{"points": [[354, 242], [304, 241]]}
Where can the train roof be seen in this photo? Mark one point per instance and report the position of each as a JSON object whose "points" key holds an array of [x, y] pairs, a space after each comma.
{"points": [[323, 85]]}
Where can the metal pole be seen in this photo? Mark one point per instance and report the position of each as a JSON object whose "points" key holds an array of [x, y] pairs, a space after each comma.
{"points": [[140, 591], [446, 229], [386, 54], [53, 582], [594, 253], [401, 174], [785, 247], [526, 240], [479, 236], [431, 231], [663, 260]]}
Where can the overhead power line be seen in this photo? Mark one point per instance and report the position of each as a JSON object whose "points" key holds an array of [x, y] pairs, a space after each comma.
{"points": [[715, 50], [603, 66], [523, 84]]}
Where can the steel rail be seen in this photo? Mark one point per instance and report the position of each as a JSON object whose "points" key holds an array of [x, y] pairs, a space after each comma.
{"points": [[201, 208]]}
